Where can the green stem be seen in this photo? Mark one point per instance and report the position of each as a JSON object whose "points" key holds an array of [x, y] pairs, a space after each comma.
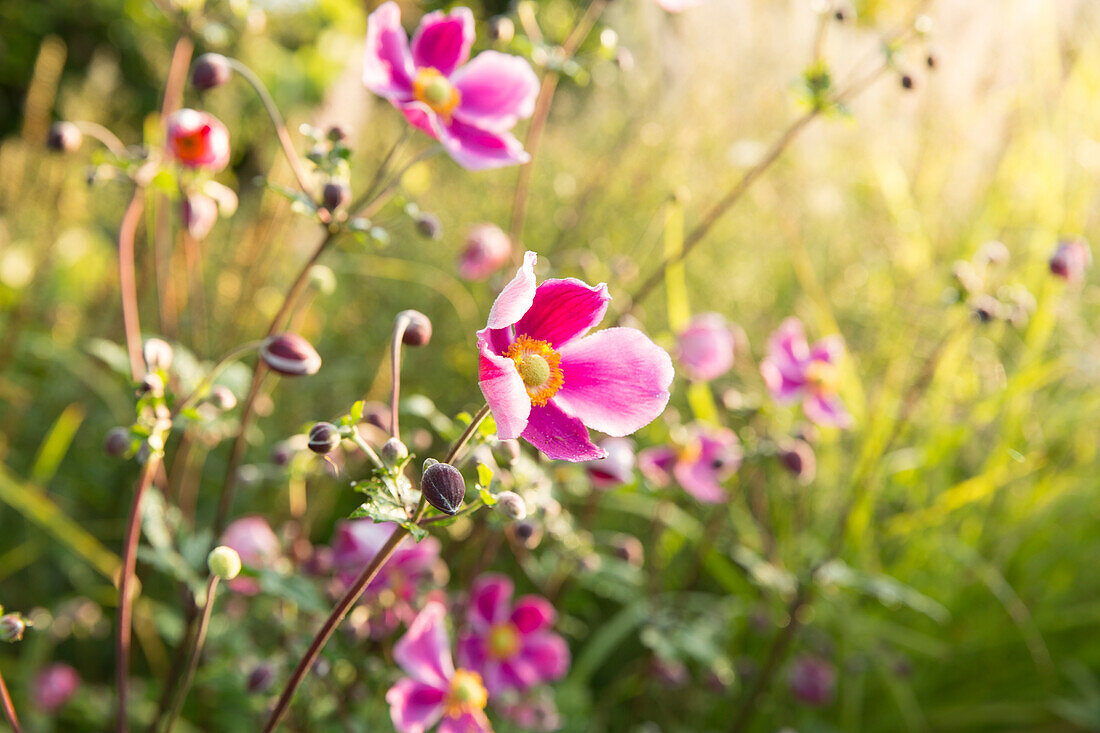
{"points": [[194, 656]]}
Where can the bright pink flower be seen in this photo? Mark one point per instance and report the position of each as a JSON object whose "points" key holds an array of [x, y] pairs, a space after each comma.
{"points": [[469, 107], [793, 370], [487, 250], [434, 692], [706, 347], [510, 645], [53, 687], [812, 680], [617, 468], [700, 464], [545, 380], [397, 583], [257, 545], [197, 139], [675, 6], [1071, 260]]}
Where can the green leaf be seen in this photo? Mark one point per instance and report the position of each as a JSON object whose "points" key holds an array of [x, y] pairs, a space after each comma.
{"points": [[486, 496], [484, 475], [356, 412]]}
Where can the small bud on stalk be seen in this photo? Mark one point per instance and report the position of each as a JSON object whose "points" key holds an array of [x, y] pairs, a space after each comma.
{"points": [[210, 70], [64, 137], [12, 626], [157, 354], [224, 562], [151, 384], [629, 549], [323, 438], [335, 195], [222, 397], [418, 332], [797, 456], [443, 487], [429, 225], [1071, 259], [502, 29], [506, 452], [117, 442], [393, 452], [260, 679], [511, 505], [290, 354]]}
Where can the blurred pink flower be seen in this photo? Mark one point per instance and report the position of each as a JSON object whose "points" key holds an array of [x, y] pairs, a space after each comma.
{"points": [[197, 139], [700, 465], [1071, 260], [198, 213], [434, 692], [53, 687], [812, 680], [257, 545], [617, 468], [793, 370], [397, 583], [510, 645], [469, 107], [488, 249], [532, 711], [706, 346], [676, 6], [548, 382]]}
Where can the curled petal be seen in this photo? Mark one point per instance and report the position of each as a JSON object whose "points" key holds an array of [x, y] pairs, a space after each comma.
{"points": [[563, 310], [414, 706], [829, 349], [420, 116], [544, 657], [516, 297], [656, 464], [497, 90], [560, 436], [490, 598], [424, 651], [785, 385], [503, 388], [443, 40], [616, 381], [470, 652], [532, 613], [827, 410], [476, 149], [387, 65], [469, 721]]}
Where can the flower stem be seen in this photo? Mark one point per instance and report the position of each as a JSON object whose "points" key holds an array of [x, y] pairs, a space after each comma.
{"points": [[335, 617], [195, 655], [399, 328], [364, 446], [467, 434], [127, 231], [218, 368], [9, 708], [103, 135]]}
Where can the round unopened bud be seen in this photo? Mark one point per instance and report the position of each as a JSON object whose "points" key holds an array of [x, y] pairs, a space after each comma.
{"points": [[157, 354], [511, 505], [986, 308], [418, 328], [210, 70], [629, 549], [222, 397], [993, 252], [12, 627], [151, 384], [797, 456], [1071, 259], [507, 452], [260, 679], [290, 354], [117, 442], [527, 533], [502, 29], [393, 452], [64, 137], [336, 133], [224, 562], [377, 414], [429, 225], [907, 81], [443, 487], [323, 438], [334, 195], [281, 453]]}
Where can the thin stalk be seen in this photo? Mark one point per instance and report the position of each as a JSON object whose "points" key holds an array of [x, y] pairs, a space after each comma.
{"points": [[369, 191], [218, 368], [127, 231], [467, 434], [9, 708], [364, 446], [399, 328], [98, 132], [194, 656]]}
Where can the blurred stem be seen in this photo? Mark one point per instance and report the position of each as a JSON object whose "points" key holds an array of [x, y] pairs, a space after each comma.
{"points": [[538, 119], [9, 708], [398, 144], [350, 598], [98, 132], [376, 201], [194, 656], [127, 231], [467, 434], [470, 509], [217, 369], [125, 592], [399, 328]]}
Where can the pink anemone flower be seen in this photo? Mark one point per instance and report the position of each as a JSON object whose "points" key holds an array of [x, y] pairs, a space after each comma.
{"points": [[198, 139], [397, 583], [434, 692], [701, 464], [706, 347], [257, 545], [793, 370], [469, 107], [617, 468], [548, 382], [510, 645], [54, 686]]}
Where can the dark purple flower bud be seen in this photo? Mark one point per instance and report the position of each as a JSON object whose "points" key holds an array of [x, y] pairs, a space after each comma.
{"points": [[443, 487], [616, 468], [393, 452], [377, 414], [986, 308], [281, 453], [12, 627], [210, 70], [930, 60], [527, 533], [812, 680], [117, 442], [336, 134], [157, 354], [260, 679], [418, 328], [1071, 259], [64, 137], [629, 549], [290, 354], [797, 456], [323, 438], [334, 195], [222, 397], [502, 29], [511, 505], [429, 225], [907, 81]]}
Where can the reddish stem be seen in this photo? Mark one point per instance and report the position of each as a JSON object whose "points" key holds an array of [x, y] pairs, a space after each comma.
{"points": [[127, 286], [9, 708]]}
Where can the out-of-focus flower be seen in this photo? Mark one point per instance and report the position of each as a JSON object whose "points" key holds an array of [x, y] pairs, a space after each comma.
{"points": [[547, 382], [198, 139], [487, 250], [616, 468], [797, 456], [1071, 259], [257, 545], [676, 6], [705, 348], [510, 645], [198, 213], [54, 686], [812, 680], [532, 711], [700, 463], [397, 583], [793, 370], [469, 107], [434, 692]]}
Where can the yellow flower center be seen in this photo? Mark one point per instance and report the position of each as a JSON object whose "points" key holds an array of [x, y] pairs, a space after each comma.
{"points": [[690, 452], [436, 91], [467, 694], [503, 640], [538, 366], [823, 377], [189, 146]]}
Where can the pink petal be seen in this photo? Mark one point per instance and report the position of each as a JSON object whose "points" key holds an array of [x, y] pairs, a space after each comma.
{"points": [[544, 657], [424, 651], [782, 385], [563, 310], [420, 116], [476, 149], [719, 457], [516, 297], [470, 652], [387, 65], [616, 381], [496, 91], [532, 613], [471, 721], [414, 706], [827, 410], [656, 464], [828, 349], [490, 598], [443, 41], [560, 436], [706, 347], [503, 388], [617, 468], [699, 480]]}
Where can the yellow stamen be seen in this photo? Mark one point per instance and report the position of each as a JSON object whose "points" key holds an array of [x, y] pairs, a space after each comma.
{"points": [[436, 91], [504, 640], [538, 366], [467, 694], [823, 377]]}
